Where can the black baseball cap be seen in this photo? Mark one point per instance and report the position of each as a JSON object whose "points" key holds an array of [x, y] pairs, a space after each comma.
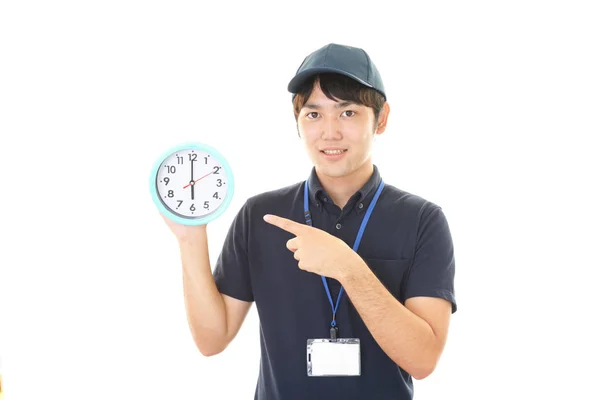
{"points": [[346, 60]]}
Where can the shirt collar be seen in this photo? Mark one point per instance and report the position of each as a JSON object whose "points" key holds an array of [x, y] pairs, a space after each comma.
{"points": [[318, 195]]}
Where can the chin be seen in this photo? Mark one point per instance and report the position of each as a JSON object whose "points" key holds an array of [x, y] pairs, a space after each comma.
{"points": [[335, 171]]}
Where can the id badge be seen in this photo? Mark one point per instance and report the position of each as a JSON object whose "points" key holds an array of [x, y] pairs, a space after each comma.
{"points": [[333, 357]]}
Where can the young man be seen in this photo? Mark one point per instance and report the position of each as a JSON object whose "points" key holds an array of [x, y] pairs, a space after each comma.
{"points": [[342, 256]]}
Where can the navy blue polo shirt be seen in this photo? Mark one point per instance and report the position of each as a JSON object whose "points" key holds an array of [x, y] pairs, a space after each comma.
{"points": [[407, 244]]}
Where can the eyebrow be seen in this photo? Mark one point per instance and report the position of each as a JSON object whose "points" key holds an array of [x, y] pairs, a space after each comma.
{"points": [[337, 105]]}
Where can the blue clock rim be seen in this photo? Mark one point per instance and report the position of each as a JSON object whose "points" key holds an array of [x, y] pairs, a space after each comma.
{"points": [[228, 172]]}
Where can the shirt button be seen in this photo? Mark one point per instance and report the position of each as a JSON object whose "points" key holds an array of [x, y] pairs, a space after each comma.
{"points": [[325, 200], [360, 205], [338, 226]]}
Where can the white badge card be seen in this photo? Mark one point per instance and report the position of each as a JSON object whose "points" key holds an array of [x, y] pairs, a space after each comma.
{"points": [[333, 357]]}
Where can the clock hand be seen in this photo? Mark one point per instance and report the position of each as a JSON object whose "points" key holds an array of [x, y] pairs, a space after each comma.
{"points": [[194, 182], [192, 179]]}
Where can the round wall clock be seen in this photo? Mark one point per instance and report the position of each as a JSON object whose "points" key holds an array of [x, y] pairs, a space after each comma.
{"points": [[192, 184]]}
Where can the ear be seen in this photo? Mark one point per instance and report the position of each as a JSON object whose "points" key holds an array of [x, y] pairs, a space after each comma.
{"points": [[383, 117]]}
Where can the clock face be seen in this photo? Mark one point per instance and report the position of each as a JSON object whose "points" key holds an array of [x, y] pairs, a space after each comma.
{"points": [[191, 183]]}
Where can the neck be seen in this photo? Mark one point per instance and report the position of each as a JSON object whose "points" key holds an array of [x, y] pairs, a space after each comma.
{"points": [[341, 188]]}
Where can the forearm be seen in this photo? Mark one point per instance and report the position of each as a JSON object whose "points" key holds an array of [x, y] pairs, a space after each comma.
{"points": [[405, 337], [204, 304]]}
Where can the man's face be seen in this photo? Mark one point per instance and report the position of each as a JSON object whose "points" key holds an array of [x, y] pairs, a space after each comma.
{"points": [[338, 136]]}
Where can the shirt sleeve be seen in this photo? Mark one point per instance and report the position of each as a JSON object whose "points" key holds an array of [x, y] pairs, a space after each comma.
{"points": [[432, 271], [232, 270]]}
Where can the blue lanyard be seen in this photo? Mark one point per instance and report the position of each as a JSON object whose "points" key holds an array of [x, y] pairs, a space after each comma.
{"points": [[308, 218]]}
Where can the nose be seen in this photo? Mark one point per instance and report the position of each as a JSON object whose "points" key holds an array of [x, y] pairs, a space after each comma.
{"points": [[331, 129]]}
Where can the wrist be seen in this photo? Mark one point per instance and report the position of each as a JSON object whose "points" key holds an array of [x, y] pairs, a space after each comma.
{"points": [[193, 236], [354, 269]]}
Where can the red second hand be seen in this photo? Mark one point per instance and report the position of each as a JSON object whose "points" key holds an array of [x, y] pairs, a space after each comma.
{"points": [[210, 173]]}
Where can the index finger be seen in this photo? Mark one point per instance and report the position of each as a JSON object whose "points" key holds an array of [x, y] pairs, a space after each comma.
{"points": [[285, 224]]}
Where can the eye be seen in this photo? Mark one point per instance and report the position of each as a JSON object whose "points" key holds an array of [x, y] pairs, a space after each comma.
{"points": [[348, 113], [312, 115]]}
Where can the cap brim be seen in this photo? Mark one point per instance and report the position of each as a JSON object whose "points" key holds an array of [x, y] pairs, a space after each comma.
{"points": [[297, 81]]}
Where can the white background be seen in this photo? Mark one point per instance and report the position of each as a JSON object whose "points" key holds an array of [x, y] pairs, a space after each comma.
{"points": [[495, 117]]}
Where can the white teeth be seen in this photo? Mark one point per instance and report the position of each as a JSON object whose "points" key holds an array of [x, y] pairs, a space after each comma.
{"points": [[331, 152]]}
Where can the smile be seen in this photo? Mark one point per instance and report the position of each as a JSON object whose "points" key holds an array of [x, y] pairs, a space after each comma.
{"points": [[333, 152]]}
